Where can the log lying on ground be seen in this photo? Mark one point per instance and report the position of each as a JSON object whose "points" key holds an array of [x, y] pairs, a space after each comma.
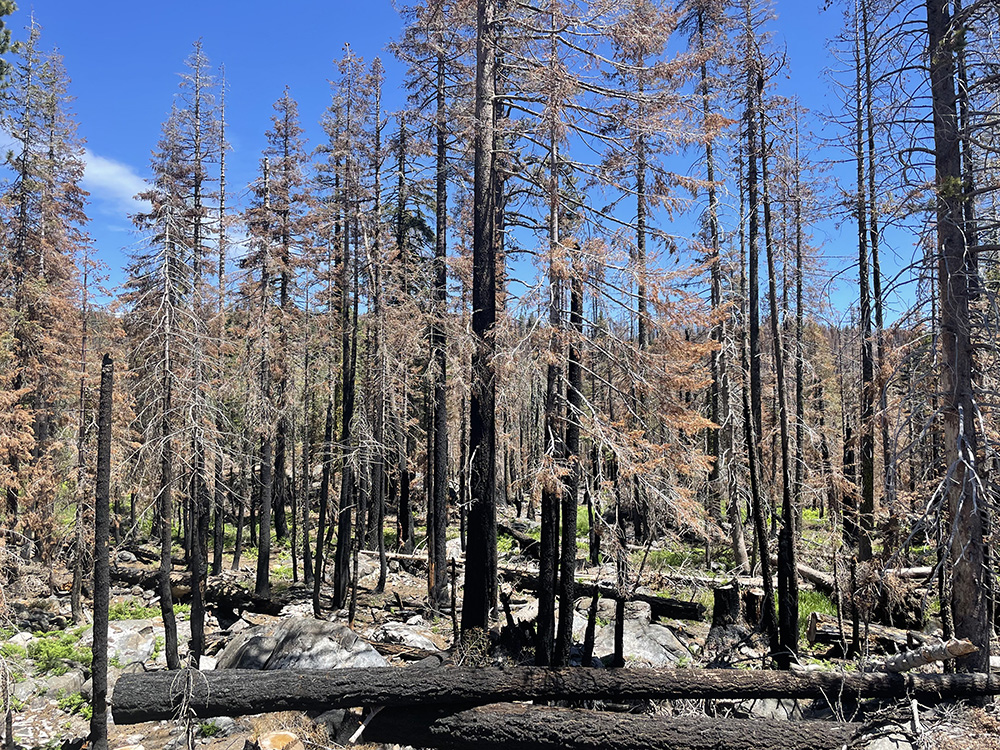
{"points": [[823, 582], [505, 726], [219, 591], [152, 696], [530, 547], [928, 654], [660, 607], [825, 630]]}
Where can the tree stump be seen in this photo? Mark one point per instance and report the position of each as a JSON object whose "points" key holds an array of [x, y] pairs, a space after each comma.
{"points": [[728, 626]]}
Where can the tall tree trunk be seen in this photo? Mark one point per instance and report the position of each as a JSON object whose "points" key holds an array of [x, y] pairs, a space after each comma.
{"points": [[166, 521], [102, 563], [571, 491], [437, 572], [306, 484], [788, 591], [751, 395], [553, 439], [324, 503], [348, 492], [957, 271], [866, 427], [481, 556]]}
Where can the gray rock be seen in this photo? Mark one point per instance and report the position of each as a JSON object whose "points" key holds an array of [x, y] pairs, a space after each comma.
{"points": [[21, 639], [891, 738], [224, 725], [298, 643], [405, 634], [769, 708], [65, 684], [27, 689], [128, 640], [649, 643], [124, 556]]}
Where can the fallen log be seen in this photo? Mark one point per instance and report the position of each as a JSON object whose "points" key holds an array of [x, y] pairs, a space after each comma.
{"points": [[824, 629], [661, 607], [506, 726], [153, 696], [922, 573], [219, 592], [530, 547], [822, 582], [928, 654]]}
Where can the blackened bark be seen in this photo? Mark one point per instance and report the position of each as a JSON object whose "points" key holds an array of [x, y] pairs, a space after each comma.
{"points": [[571, 491], [262, 586], [866, 427], [788, 590], [438, 511], [324, 503], [481, 556], [102, 564], [149, 696], [166, 525]]}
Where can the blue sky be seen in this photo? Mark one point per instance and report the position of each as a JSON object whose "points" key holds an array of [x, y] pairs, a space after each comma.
{"points": [[124, 59]]}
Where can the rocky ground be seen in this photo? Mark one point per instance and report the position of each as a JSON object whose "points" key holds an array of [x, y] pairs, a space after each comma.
{"points": [[48, 659]]}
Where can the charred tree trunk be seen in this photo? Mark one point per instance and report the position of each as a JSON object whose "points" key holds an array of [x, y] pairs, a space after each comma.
{"points": [[102, 563], [481, 556], [324, 504]]}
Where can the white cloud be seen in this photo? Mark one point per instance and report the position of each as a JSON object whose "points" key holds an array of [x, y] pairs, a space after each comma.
{"points": [[114, 183]]}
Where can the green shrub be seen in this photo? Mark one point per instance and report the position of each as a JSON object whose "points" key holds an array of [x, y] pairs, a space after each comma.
{"points": [[209, 729], [12, 651], [75, 703], [54, 651], [131, 609], [661, 559]]}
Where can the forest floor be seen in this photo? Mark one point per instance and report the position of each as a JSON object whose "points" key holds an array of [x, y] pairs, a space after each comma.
{"points": [[48, 657]]}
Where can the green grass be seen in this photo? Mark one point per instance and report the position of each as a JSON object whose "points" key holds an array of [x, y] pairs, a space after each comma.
{"points": [[582, 522], [12, 651], [131, 609], [813, 601], [810, 517], [677, 557], [505, 545]]}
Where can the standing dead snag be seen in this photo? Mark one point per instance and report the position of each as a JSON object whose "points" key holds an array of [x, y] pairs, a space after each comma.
{"points": [[102, 583]]}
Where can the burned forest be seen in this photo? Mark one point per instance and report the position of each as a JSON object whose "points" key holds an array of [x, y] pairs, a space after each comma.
{"points": [[564, 374]]}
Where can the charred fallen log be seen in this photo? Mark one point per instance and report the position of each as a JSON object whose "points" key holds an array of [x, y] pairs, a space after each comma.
{"points": [[661, 607], [506, 726], [220, 593], [824, 629], [153, 696]]}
